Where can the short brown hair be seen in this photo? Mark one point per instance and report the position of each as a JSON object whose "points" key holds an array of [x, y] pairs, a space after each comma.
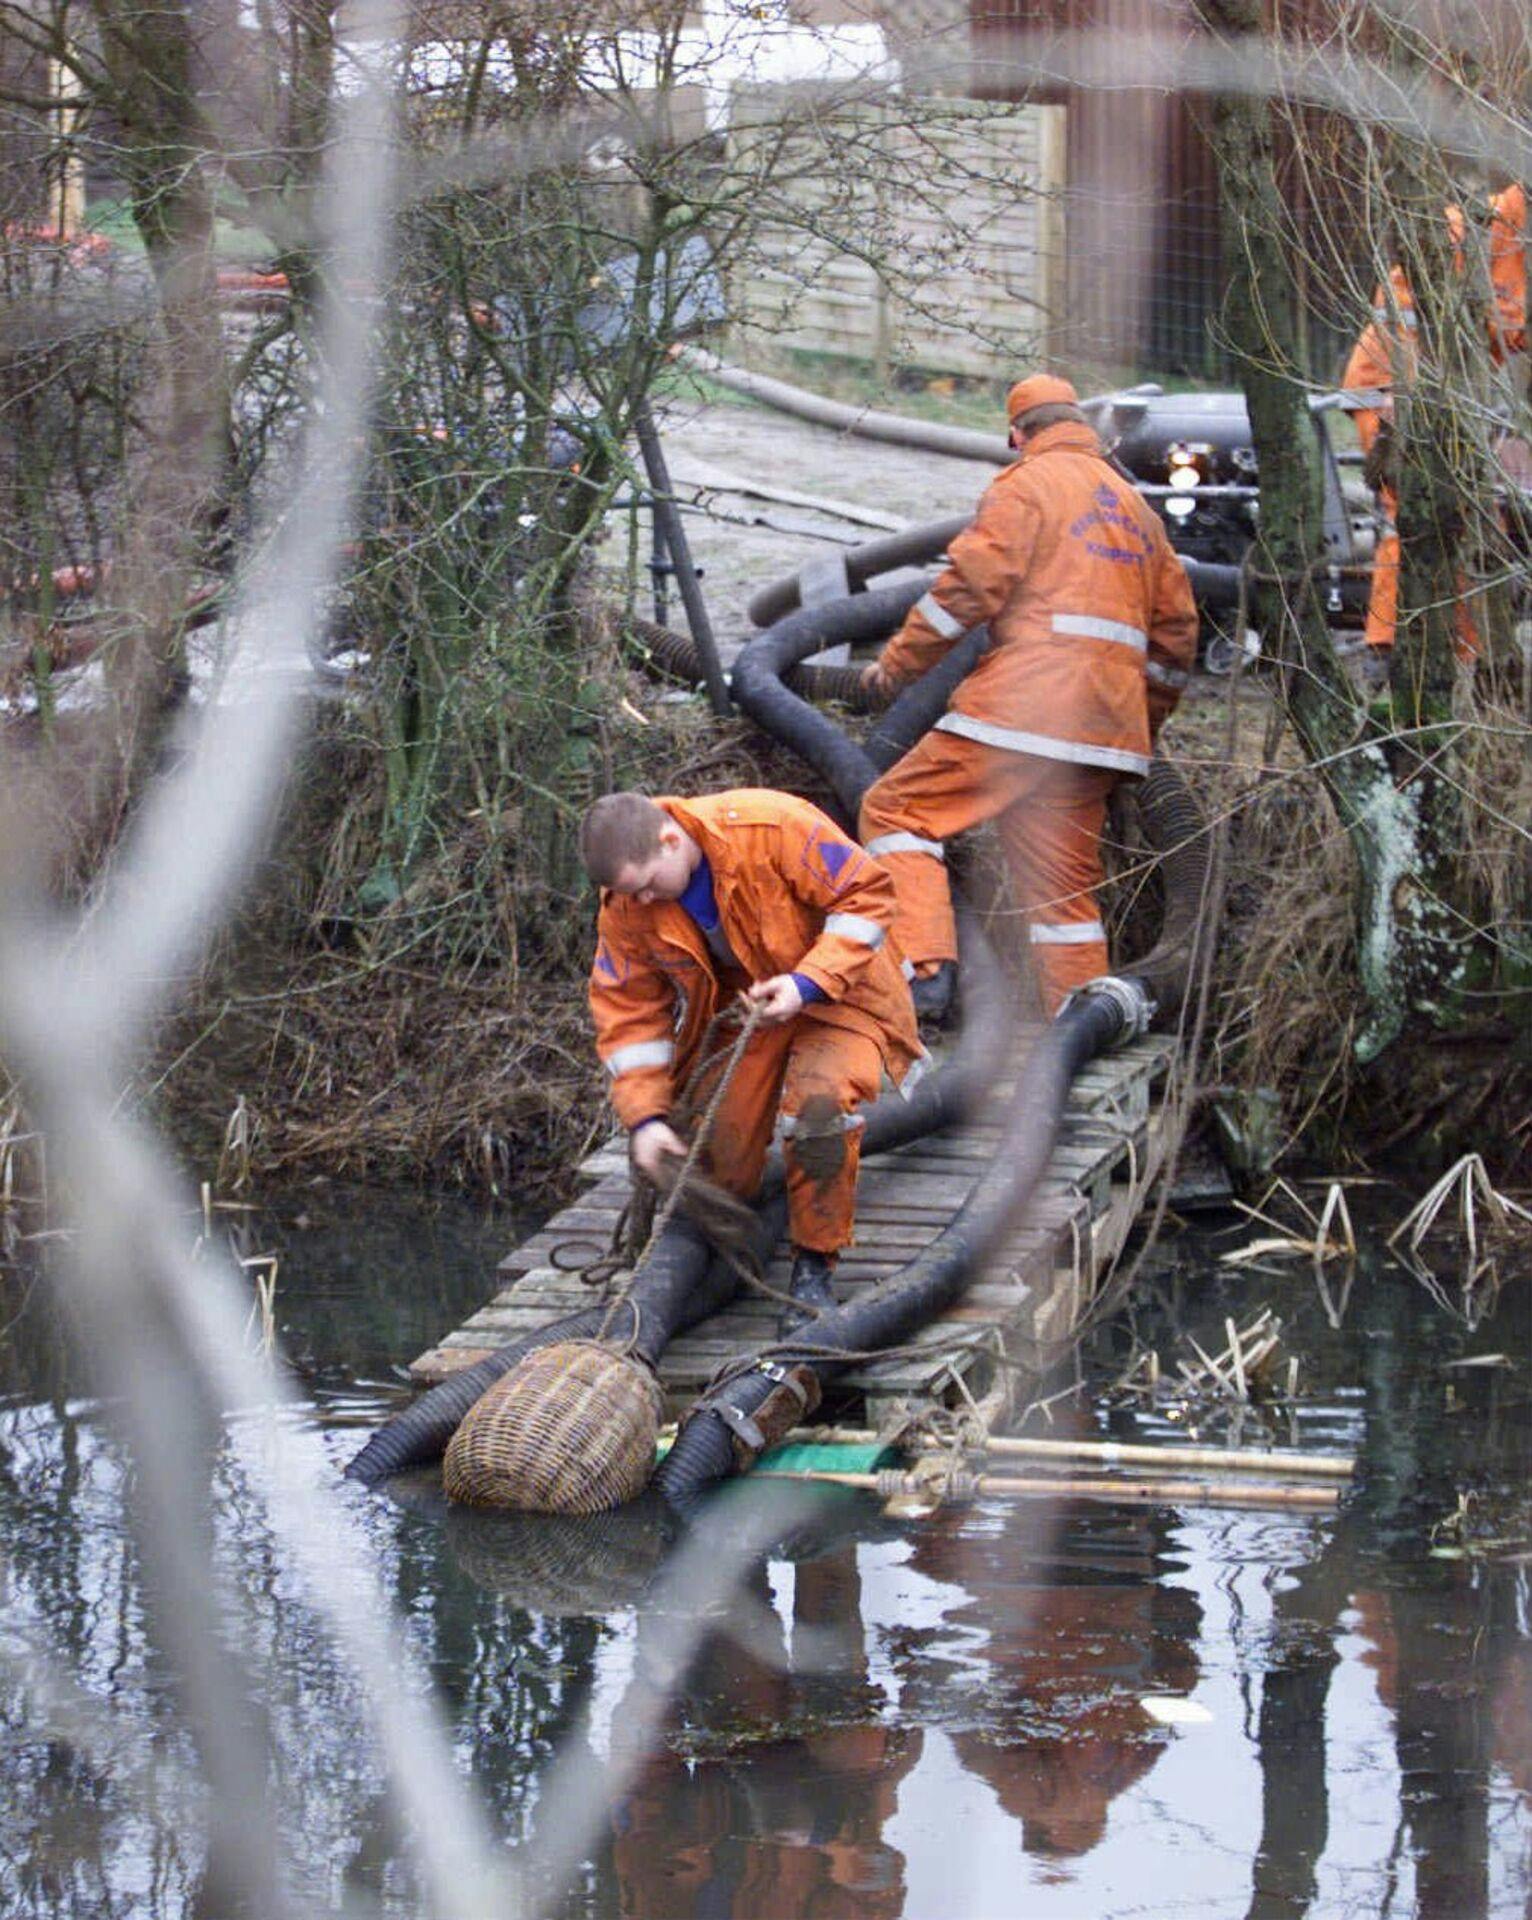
{"points": [[619, 830]]}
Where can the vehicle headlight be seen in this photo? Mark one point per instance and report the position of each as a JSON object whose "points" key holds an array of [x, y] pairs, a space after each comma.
{"points": [[1190, 463]]}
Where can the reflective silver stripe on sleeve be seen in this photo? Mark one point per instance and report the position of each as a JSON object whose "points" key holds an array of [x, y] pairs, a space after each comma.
{"points": [[1175, 677], [1079, 933], [1044, 745], [918, 1069], [1401, 317], [642, 1053], [1088, 627], [856, 926], [905, 843], [932, 610], [849, 1122], [907, 968]]}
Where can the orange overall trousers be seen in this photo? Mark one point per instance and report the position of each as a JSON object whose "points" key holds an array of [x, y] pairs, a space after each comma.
{"points": [[1049, 814], [804, 1064]]}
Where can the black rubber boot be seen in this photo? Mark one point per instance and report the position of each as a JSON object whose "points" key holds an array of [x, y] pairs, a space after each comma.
{"points": [[811, 1289], [933, 994]]}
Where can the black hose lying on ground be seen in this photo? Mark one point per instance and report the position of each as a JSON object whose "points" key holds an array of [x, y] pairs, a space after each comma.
{"points": [[675, 654]]}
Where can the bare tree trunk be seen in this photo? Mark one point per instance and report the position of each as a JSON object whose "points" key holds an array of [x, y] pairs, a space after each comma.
{"points": [[179, 480]]}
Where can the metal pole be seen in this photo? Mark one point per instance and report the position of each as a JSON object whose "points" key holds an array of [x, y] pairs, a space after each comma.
{"points": [[660, 568], [667, 518]]}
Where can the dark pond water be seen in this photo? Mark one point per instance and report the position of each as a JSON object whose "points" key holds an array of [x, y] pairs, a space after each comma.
{"points": [[942, 1719]]}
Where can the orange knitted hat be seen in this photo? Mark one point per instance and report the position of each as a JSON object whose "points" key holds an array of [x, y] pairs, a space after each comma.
{"points": [[1039, 390]]}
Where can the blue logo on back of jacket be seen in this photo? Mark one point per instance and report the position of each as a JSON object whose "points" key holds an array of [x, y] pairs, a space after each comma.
{"points": [[1110, 515]]}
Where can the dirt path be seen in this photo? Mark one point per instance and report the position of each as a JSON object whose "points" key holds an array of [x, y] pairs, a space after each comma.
{"points": [[741, 543]]}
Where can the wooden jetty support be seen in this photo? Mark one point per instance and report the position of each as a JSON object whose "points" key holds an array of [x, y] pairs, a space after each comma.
{"points": [[1111, 1147]]}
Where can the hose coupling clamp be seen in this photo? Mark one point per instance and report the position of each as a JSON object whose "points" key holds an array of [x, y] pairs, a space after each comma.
{"points": [[1128, 995]]}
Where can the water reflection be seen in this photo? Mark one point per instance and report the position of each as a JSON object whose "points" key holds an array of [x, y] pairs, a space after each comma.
{"points": [[884, 1720], [1073, 1641], [771, 1789], [1447, 1645]]}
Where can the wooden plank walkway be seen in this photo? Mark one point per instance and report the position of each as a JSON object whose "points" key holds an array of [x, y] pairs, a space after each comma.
{"points": [[1110, 1149]]}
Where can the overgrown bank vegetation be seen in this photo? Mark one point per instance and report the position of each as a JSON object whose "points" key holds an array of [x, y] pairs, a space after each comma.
{"points": [[403, 996]]}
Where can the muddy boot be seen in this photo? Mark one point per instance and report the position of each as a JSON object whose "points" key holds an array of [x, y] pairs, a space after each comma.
{"points": [[933, 994], [811, 1289]]}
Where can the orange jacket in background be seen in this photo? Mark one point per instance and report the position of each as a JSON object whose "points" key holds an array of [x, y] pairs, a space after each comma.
{"points": [[1507, 263], [1386, 350], [1092, 622], [1386, 354], [795, 894]]}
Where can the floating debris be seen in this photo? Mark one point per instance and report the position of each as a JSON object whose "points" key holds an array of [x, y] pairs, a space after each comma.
{"points": [[1170, 1710], [1485, 1526]]}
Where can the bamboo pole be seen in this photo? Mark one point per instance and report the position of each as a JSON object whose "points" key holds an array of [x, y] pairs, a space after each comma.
{"points": [[1324, 1466], [1139, 1493]]}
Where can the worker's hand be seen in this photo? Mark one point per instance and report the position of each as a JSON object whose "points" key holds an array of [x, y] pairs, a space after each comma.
{"points": [[778, 999], [876, 684], [654, 1143]]}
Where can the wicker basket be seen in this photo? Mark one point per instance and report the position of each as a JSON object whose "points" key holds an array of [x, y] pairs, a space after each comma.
{"points": [[570, 1429]]}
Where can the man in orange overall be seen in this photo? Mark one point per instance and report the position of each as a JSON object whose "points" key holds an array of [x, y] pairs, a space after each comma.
{"points": [[759, 894], [1386, 355], [1093, 633]]}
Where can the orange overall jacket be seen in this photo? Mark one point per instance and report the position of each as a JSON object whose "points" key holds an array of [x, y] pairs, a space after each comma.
{"points": [[794, 895], [1092, 622], [1386, 355], [1385, 351]]}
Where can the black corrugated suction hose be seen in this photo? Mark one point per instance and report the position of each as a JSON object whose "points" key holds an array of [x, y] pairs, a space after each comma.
{"points": [[909, 547], [1214, 583], [681, 1283], [675, 654], [1175, 827], [757, 683]]}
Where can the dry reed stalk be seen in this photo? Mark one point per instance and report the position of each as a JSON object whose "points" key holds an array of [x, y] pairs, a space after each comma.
{"points": [[1241, 1370], [1318, 1244], [1469, 1183], [263, 1310]]}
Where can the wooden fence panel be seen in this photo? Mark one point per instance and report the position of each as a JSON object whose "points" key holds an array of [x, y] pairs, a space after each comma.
{"points": [[941, 247]]}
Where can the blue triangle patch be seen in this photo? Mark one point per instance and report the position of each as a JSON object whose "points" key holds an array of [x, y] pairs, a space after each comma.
{"points": [[835, 854]]}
